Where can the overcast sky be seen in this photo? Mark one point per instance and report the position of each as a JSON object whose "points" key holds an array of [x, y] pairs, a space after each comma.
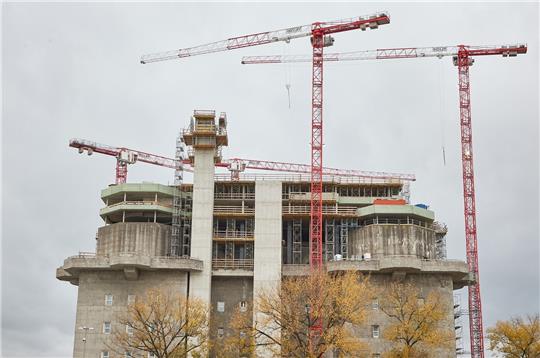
{"points": [[73, 71]]}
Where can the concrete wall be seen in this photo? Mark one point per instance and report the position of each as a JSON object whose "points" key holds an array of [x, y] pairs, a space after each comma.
{"points": [[232, 291], [150, 239], [92, 311], [268, 231], [202, 221], [392, 239], [425, 283]]}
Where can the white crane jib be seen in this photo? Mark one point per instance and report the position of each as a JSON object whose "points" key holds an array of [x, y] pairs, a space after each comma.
{"points": [[260, 38]]}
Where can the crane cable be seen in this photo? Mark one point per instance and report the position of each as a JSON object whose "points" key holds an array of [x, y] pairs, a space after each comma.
{"points": [[442, 107], [287, 74]]}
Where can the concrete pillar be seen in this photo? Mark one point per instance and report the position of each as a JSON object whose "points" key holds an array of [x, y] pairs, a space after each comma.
{"points": [[267, 255], [201, 221]]}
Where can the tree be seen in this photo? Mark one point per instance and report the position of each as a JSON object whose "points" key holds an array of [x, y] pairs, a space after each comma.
{"points": [[164, 324], [238, 342], [284, 315], [516, 338], [415, 322]]}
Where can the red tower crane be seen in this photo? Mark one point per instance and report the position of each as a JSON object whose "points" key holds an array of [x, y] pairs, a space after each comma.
{"points": [[463, 59], [125, 156], [320, 37]]}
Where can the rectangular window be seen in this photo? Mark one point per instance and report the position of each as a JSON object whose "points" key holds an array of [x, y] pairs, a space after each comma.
{"points": [[375, 304], [108, 299], [129, 330], [375, 331], [220, 332], [151, 355], [104, 354], [107, 327], [376, 355], [128, 355], [221, 306], [243, 306], [131, 299]]}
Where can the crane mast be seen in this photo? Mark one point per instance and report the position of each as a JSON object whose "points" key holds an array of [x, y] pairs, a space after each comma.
{"points": [[469, 205], [320, 37], [462, 58]]}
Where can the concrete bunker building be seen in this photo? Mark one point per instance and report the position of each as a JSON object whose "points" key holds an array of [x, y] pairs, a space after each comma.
{"points": [[225, 240]]}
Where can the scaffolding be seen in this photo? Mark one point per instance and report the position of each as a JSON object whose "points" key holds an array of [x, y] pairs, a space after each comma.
{"points": [[329, 239], [177, 231], [440, 240], [297, 241], [458, 325], [344, 239], [186, 224]]}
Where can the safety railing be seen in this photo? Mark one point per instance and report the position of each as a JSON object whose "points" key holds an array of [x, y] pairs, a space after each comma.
{"points": [[375, 257], [396, 221], [231, 264], [326, 210], [291, 178], [303, 196], [139, 203], [84, 255], [224, 234], [224, 209], [204, 113], [235, 196], [90, 255]]}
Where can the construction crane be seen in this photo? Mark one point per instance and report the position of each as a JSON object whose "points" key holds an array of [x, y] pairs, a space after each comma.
{"points": [[463, 58], [320, 37], [320, 33], [392, 53], [125, 156]]}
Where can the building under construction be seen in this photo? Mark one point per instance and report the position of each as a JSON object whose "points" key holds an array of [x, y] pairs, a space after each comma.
{"points": [[224, 239]]}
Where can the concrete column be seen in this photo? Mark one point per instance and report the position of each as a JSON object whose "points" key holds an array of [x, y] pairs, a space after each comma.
{"points": [[201, 221], [267, 255]]}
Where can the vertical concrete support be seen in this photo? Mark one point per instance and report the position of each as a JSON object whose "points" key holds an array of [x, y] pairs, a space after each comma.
{"points": [[201, 221], [267, 257]]}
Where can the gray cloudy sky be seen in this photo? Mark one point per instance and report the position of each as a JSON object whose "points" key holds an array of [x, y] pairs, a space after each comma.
{"points": [[72, 70]]}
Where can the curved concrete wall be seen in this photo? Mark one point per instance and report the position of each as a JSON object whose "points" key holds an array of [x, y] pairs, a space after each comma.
{"points": [[392, 239], [148, 239]]}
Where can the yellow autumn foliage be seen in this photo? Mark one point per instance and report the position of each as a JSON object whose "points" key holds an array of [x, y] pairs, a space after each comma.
{"points": [[414, 322], [516, 338], [284, 316], [162, 323]]}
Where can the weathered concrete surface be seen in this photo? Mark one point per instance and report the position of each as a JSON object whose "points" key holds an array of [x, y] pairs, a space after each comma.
{"points": [[129, 264], [399, 210], [118, 190], [151, 239], [232, 272], [456, 270], [202, 222], [425, 283], [92, 311], [267, 256], [232, 291], [392, 239]]}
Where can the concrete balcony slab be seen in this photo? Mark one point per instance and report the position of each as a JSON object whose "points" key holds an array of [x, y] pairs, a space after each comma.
{"points": [[130, 264]]}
